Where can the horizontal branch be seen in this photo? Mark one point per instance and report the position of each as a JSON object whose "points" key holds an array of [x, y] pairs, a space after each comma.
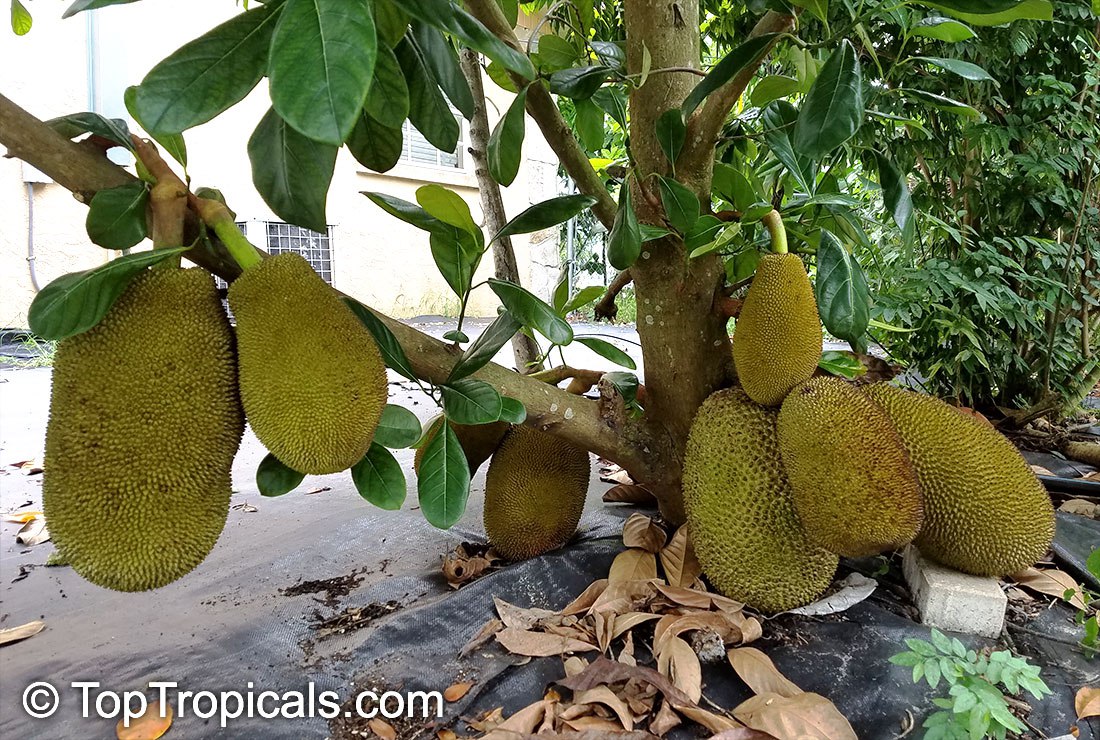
{"points": [[606, 307]]}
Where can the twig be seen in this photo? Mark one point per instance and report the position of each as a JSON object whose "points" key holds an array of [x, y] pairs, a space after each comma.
{"points": [[168, 199], [605, 308]]}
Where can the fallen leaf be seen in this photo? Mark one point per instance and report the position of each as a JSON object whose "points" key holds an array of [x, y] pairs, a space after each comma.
{"points": [[607, 697], [615, 474], [642, 532], [539, 644], [28, 467], [630, 620], [22, 632], [665, 720], [672, 625], [606, 671], [574, 664], [626, 655], [1052, 582], [760, 674], [149, 726], [593, 727], [680, 664], [686, 596], [523, 722], [714, 722], [483, 636], [445, 734], [633, 565], [1087, 702], [382, 729], [587, 598], [678, 560], [1081, 507], [33, 532], [854, 588], [1094, 475], [520, 617], [1040, 470], [456, 691], [805, 716], [488, 720], [743, 733], [322, 489], [629, 494], [623, 597], [22, 517]]}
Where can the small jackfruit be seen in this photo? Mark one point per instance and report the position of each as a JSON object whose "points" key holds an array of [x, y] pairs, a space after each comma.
{"points": [[478, 441], [534, 493], [313, 382], [777, 340], [854, 488], [144, 424], [740, 514], [985, 512]]}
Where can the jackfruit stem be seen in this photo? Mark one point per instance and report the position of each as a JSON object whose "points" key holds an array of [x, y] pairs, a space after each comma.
{"points": [[774, 222], [218, 217]]}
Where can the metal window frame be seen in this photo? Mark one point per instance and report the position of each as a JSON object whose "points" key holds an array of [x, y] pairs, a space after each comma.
{"points": [[459, 152]]}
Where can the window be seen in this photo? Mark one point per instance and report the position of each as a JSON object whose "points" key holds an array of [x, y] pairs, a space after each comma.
{"points": [[315, 247], [415, 149]]}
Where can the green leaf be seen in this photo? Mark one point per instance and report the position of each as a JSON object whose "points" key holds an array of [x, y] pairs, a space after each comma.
{"points": [[512, 410], [116, 217], [583, 297], [555, 52], [388, 97], [78, 124], [469, 401], [608, 351], [463, 26], [532, 311], [21, 20], [506, 142], [703, 233], [172, 143], [483, 349], [442, 60], [76, 302], [207, 75], [612, 99], [80, 6], [609, 54], [833, 109], [510, 8], [392, 352], [456, 257], [408, 212], [671, 132], [780, 118], [291, 172], [981, 7], [379, 479], [322, 61], [579, 83], [502, 77], [742, 266], [454, 335], [589, 124], [995, 12], [943, 29], [428, 110], [546, 214], [681, 205], [940, 101], [895, 191], [844, 365], [650, 233], [772, 88], [375, 146], [732, 184], [1093, 563], [740, 58], [624, 244], [843, 300], [443, 484], [397, 428], [625, 384], [390, 22], [447, 206], [966, 70], [273, 478]]}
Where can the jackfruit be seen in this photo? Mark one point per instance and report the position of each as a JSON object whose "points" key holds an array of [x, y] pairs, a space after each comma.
{"points": [[985, 512], [534, 493], [854, 488], [144, 423], [740, 515], [777, 339], [313, 382], [478, 441]]}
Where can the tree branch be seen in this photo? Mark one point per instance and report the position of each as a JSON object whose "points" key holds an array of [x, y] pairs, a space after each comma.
{"points": [[605, 308], [543, 109]]}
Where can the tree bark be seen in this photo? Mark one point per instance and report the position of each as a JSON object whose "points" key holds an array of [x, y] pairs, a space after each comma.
{"points": [[525, 350]]}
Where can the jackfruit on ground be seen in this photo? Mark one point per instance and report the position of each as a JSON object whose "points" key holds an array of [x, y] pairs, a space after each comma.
{"points": [[854, 488], [985, 512], [478, 441], [534, 493], [777, 339], [313, 382], [144, 423], [740, 513]]}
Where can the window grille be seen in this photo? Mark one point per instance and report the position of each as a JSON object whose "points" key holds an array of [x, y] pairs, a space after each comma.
{"points": [[314, 246]]}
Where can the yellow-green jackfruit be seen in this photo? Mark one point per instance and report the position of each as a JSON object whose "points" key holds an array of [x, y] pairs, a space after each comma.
{"points": [[985, 512], [478, 441], [777, 340], [534, 493], [313, 382], [854, 488], [740, 514], [144, 423]]}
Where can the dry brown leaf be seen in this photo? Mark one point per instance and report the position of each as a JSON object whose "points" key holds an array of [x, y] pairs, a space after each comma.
{"points": [[382, 729], [28, 467], [751, 630], [630, 620], [520, 617], [606, 671], [594, 727], [524, 722], [1081, 507], [760, 674], [726, 625], [459, 570], [713, 722], [1052, 582], [678, 560], [616, 474], [33, 532], [805, 716], [587, 598], [604, 695], [626, 655], [149, 726], [456, 691], [633, 565], [642, 532], [1040, 470], [574, 664], [488, 720], [603, 624], [853, 588], [686, 596], [623, 597], [445, 734], [22, 632], [483, 636], [680, 664], [1087, 702], [22, 517], [540, 644], [743, 733], [627, 493], [1094, 475], [665, 720]]}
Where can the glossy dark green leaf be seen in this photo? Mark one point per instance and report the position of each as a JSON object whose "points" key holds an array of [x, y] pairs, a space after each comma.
{"points": [[390, 22], [671, 132], [895, 191], [76, 302], [681, 205], [940, 101], [843, 300], [408, 212], [589, 124], [463, 26], [455, 256], [704, 232], [397, 428], [842, 364], [80, 6], [443, 482], [506, 142], [171, 143], [624, 243], [273, 478], [742, 266], [546, 214], [608, 351], [392, 352], [612, 98], [966, 70], [116, 217], [442, 60], [561, 293], [772, 88], [512, 410], [21, 20], [626, 384], [388, 97], [447, 206], [649, 233], [583, 297], [532, 311], [469, 401], [510, 8], [290, 172], [556, 53], [502, 77], [833, 109], [454, 335], [379, 479], [732, 184], [322, 61], [780, 118], [980, 7], [579, 83], [483, 349], [373, 145], [208, 75], [78, 124], [943, 29], [428, 109], [609, 54], [995, 12], [738, 59]]}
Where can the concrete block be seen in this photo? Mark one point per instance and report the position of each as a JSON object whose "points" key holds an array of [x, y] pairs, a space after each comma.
{"points": [[950, 600]]}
